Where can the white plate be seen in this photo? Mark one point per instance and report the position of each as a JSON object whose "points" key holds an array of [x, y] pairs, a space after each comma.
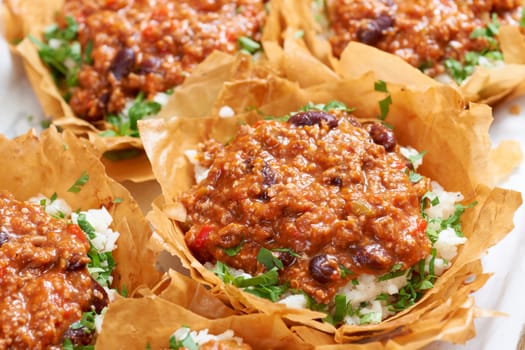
{"points": [[504, 291]]}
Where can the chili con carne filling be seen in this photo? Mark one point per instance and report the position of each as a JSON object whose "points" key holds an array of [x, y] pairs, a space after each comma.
{"points": [[422, 32], [147, 46], [45, 285], [329, 197]]}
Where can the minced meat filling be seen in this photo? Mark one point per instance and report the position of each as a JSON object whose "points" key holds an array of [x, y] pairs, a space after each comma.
{"points": [[423, 32], [151, 46], [44, 282], [333, 191]]}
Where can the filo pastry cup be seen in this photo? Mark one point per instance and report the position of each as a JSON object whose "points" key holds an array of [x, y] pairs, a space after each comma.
{"points": [[430, 117], [180, 301], [194, 97], [52, 163], [484, 86]]}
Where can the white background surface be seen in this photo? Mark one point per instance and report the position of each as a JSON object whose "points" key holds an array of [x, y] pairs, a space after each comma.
{"points": [[503, 292]]}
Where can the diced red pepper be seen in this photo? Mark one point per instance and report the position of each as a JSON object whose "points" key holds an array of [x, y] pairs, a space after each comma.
{"points": [[202, 237], [76, 231]]}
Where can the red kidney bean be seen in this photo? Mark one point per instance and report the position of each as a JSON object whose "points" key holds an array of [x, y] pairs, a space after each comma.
{"points": [[122, 63], [323, 267], [382, 136], [313, 117]]}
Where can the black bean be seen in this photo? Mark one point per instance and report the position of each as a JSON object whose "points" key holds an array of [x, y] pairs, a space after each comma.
{"points": [[76, 263], [4, 237], [268, 174], [323, 267], [100, 297], [384, 21], [149, 65], [373, 32], [383, 136], [286, 258], [79, 336], [104, 98], [313, 117], [336, 181], [122, 63], [263, 196], [373, 256]]}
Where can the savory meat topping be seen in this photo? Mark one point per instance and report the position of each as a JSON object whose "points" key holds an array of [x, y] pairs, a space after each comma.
{"points": [[422, 32], [150, 46], [45, 285], [330, 199]]}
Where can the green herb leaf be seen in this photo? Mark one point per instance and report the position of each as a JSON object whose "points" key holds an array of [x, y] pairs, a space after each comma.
{"points": [[267, 258], [395, 271], [126, 124], [286, 250], [371, 317], [248, 45], [235, 250], [345, 272], [414, 177], [340, 309], [380, 86], [416, 158], [81, 181], [186, 343]]}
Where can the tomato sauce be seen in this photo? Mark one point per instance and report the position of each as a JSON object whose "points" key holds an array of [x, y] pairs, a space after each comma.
{"points": [[44, 282], [332, 191]]}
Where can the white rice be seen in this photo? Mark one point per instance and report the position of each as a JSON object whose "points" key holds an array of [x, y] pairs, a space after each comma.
{"points": [[226, 112], [202, 337], [55, 208], [200, 172]]}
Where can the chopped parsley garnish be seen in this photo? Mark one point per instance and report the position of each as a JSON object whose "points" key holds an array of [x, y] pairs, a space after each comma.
{"points": [[234, 250], [264, 285], [44, 124], [345, 272], [370, 317], [267, 258], [395, 271], [414, 177], [384, 104], [126, 124], [286, 250], [102, 264], [62, 53], [248, 45], [454, 220], [415, 159], [186, 343], [87, 322], [330, 106], [68, 345], [117, 200], [462, 70], [81, 181]]}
